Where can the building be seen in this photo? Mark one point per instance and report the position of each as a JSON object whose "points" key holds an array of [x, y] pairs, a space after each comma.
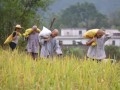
{"points": [[74, 36], [115, 40], [73, 32]]}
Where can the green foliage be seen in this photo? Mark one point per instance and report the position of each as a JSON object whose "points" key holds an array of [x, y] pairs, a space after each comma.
{"points": [[113, 52], [83, 15], [22, 44], [22, 12], [77, 52]]}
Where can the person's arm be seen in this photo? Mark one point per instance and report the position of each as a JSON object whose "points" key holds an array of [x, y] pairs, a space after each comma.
{"points": [[14, 34], [58, 48], [43, 40], [107, 36], [90, 41]]}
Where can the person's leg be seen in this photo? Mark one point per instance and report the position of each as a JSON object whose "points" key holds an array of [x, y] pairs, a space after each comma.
{"points": [[35, 56], [99, 60], [48, 56], [29, 50], [30, 54], [35, 50], [88, 58], [12, 45]]}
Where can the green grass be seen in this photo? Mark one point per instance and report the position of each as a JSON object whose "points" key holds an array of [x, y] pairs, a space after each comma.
{"points": [[19, 72]]}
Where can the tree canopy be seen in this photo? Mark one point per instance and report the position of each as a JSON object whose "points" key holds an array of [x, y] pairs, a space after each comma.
{"points": [[83, 15], [19, 12], [115, 19]]}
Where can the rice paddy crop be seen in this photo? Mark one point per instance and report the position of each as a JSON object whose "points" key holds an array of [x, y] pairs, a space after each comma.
{"points": [[19, 72]]}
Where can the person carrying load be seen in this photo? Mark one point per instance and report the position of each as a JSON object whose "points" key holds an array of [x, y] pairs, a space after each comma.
{"points": [[12, 40], [49, 44], [91, 34], [32, 41], [29, 31], [96, 43]]}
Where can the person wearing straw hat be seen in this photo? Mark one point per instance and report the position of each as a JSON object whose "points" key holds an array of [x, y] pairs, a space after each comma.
{"points": [[12, 40], [33, 42], [97, 52]]}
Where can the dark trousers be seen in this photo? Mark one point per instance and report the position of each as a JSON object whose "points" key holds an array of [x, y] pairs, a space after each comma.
{"points": [[12, 45]]}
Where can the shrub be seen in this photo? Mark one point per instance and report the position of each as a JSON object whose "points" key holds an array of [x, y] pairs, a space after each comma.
{"points": [[77, 52], [113, 52]]}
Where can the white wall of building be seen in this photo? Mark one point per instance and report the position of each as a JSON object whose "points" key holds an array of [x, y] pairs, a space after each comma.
{"points": [[113, 41], [67, 42], [72, 32]]}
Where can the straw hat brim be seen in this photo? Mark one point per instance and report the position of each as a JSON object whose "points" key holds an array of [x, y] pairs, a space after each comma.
{"points": [[18, 27]]}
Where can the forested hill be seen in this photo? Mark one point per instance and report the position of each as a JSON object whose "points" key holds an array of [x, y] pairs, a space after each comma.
{"points": [[104, 6]]}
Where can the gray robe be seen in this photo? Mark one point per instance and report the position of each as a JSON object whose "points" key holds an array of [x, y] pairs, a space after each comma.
{"points": [[98, 52], [48, 49], [33, 43]]}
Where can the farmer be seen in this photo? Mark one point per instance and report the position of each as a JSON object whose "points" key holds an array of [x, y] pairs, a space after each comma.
{"points": [[14, 37], [33, 41], [97, 51], [49, 45]]}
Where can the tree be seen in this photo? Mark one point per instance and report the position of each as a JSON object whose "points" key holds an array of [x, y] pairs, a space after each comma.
{"points": [[83, 15], [22, 12], [114, 19]]}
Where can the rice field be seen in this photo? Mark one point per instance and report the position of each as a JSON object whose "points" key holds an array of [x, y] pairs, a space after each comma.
{"points": [[19, 72]]}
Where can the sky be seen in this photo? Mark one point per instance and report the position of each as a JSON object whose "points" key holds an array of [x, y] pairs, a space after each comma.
{"points": [[104, 6]]}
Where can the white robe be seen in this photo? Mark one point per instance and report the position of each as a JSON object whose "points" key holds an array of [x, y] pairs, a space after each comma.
{"points": [[48, 49], [98, 51]]}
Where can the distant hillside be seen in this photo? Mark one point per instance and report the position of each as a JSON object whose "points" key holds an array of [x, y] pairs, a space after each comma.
{"points": [[104, 6]]}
